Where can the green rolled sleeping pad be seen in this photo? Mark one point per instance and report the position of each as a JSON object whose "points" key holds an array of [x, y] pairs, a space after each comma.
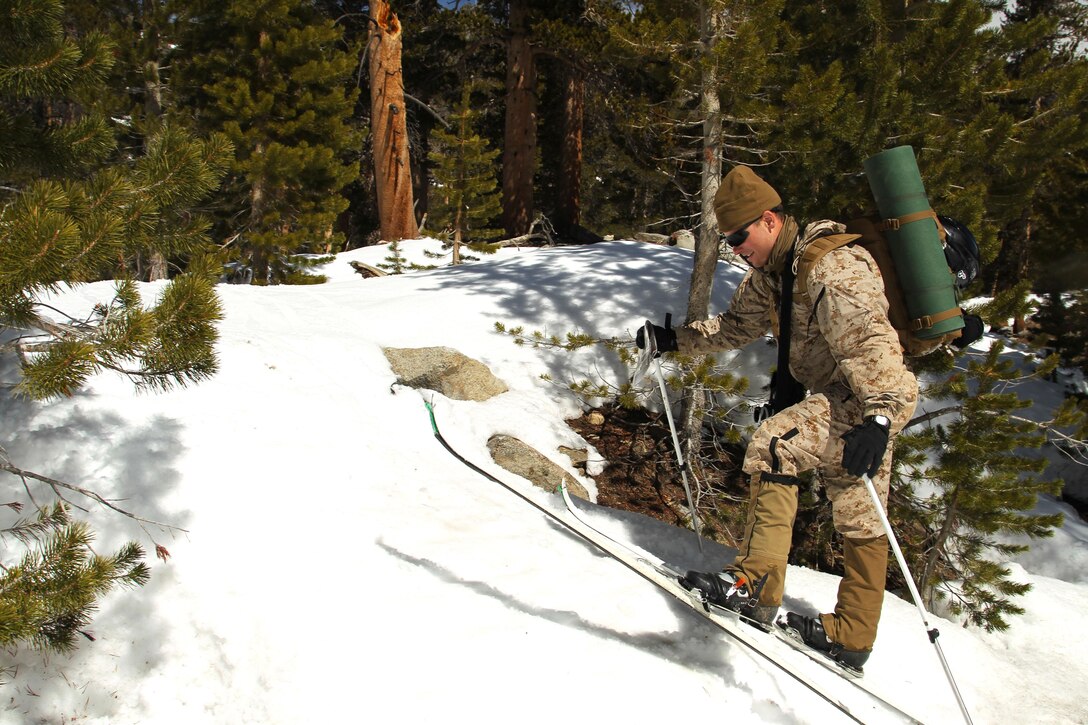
{"points": [[915, 244]]}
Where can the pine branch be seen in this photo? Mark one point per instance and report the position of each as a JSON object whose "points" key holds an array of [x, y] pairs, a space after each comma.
{"points": [[1077, 444], [55, 484]]}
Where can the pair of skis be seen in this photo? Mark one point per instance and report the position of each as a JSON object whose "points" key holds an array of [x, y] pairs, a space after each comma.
{"points": [[856, 702]]}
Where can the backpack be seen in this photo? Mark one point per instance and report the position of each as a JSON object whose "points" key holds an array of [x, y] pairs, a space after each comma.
{"points": [[961, 253]]}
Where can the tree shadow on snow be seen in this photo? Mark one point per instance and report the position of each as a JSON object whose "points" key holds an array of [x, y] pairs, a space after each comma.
{"points": [[667, 645], [548, 284], [697, 645], [133, 466]]}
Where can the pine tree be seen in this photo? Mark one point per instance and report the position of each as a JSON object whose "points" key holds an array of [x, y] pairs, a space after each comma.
{"points": [[467, 199], [922, 74], [1048, 74], [700, 57], [65, 218], [969, 482], [569, 39], [139, 91], [274, 78]]}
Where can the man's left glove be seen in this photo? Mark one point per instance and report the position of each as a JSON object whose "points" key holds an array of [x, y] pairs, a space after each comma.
{"points": [[664, 336], [865, 446]]}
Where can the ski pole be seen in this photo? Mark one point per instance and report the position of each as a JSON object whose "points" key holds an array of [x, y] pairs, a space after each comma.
{"points": [[933, 633], [676, 445]]}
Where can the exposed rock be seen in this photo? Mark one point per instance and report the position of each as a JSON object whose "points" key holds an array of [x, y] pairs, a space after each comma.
{"points": [[525, 461], [444, 370], [683, 239], [577, 456], [595, 417], [367, 270], [651, 238]]}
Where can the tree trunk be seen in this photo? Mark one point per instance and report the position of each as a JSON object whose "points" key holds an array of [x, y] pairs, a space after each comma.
{"points": [[927, 590], [568, 204], [388, 126], [706, 243], [157, 268], [259, 262], [152, 89], [519, 145], [1013, 263]]}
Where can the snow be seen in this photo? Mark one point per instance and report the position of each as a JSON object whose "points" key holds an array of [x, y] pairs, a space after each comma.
{"points": [[338, 565]]}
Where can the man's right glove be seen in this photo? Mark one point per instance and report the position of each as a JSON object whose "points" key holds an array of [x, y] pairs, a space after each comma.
{"points": [[865, 447], [664, 336]]}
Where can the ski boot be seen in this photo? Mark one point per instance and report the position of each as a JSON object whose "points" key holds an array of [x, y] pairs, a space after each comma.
{"points": [[811, 631], [733, 592]]}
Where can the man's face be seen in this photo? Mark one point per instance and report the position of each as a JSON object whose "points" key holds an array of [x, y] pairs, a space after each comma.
{"points": [[762, 233]]}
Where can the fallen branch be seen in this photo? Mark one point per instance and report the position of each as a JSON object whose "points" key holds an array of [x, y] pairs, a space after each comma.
{"points": [[546, 234], [930, 416], [6, 465]]}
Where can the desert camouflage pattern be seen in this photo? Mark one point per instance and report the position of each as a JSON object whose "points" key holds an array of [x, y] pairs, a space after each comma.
{"points": [[846, 353], [808, 436], [841, 333]]}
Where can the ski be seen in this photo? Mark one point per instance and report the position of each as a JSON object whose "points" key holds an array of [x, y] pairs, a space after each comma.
{"points": [[793, 639], [858, 704], [732, 622]]}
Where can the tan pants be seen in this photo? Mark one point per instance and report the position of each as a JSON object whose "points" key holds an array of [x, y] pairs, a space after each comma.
{"points": [[805, 437]]}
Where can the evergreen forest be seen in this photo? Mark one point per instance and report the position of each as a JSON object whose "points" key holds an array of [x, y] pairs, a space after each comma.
{"points": [[580, 120]]}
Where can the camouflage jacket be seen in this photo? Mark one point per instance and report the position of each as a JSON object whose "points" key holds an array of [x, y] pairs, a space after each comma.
{"points": [[842, 341]]}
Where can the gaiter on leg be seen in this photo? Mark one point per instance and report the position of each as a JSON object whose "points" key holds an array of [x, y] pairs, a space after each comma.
{"points": [[861, 594], [768, 535]]}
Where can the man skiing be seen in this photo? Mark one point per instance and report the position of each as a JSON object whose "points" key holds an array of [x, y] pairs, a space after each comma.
{"points": [[845, 352]]}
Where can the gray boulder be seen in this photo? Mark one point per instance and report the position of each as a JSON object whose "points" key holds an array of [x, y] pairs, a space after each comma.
{"points": [[523, 460], [444, 370]]}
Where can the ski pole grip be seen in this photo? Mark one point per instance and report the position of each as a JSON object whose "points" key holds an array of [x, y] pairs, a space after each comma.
{"points": [[668, 320]]}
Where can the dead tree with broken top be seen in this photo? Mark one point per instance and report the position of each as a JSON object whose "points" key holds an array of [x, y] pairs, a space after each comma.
{"points": [[388, 123]]}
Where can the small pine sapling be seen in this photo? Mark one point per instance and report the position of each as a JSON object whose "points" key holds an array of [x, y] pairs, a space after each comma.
{"points": [[468, 198], [967, 486]]}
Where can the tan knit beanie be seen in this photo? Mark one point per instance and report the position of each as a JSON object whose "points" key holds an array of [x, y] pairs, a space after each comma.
{"points": [[742, 197]]}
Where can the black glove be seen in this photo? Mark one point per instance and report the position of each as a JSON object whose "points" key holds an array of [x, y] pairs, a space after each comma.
{"points": [[972, 330], [664, 336], [865, 447]]}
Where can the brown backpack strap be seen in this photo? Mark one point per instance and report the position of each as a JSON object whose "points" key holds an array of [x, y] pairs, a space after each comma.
{"points": [[815, 251], [897, 222], [922, 323]]}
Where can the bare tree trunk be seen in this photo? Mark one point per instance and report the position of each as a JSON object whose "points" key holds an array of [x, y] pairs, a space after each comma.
{"points": [[152, 89], [1013, 262], [927, 590], [153, 109], [258, 255], [519, 145], [456, 257], [706, 243], [568, 206], [388, 125], [157, 268]]}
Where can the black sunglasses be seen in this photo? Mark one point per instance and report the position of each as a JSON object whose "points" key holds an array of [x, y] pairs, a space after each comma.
{"points": [[737, 238]]}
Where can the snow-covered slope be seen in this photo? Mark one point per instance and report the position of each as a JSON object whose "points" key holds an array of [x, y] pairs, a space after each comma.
{"points": [[338, 565]]}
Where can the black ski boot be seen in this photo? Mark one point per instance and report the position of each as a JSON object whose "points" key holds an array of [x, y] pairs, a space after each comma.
{"points": [[812, 633], [734, 593]]}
